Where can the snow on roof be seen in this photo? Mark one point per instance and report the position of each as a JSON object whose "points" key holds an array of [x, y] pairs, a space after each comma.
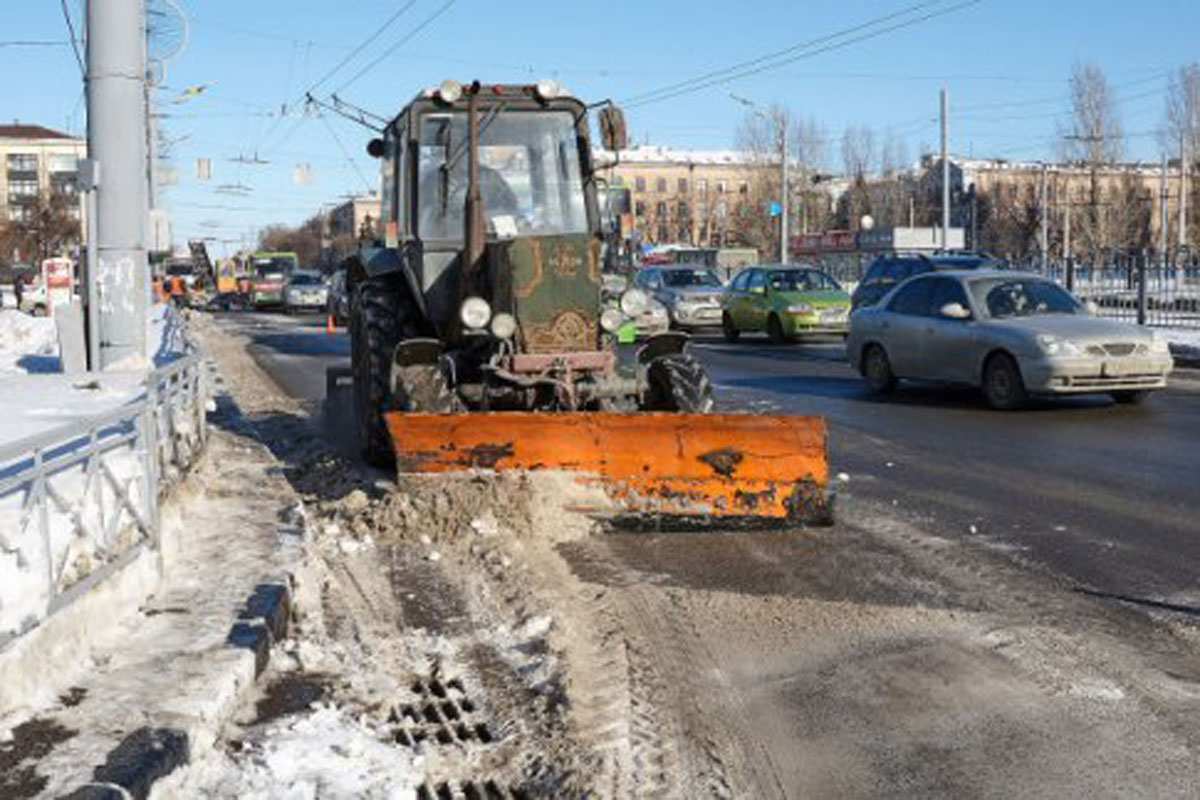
{"points": [[657, 154]]}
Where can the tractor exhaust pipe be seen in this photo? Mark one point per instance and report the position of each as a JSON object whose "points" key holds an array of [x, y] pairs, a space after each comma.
{"points": [[475, 234]]}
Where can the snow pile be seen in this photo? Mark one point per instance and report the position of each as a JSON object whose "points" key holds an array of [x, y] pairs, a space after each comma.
{"points": [[322, 754], [27, 344]]}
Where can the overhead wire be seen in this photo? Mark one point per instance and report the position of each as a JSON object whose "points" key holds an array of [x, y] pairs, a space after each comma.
{"points": [[837, 40], [397, 45], [74, 39]]}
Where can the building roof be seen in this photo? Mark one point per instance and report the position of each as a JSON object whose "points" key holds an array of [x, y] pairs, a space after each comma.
{"points": [[21, 131]]}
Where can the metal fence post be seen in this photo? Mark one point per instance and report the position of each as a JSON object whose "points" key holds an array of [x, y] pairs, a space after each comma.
{"points": [[1141, 289]]}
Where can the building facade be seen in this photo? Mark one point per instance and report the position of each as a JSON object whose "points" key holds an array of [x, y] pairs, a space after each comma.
{"points": [[38, 168]]}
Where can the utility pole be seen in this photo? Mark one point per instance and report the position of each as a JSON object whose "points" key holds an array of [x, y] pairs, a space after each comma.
{"points": [[1183, 176], [1164, 218], [945, 169], [1045, 237], [783, 169], [1067, 243], [116, 102]]}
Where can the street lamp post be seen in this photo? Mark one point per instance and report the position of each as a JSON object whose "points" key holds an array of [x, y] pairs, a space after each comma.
{"points": [[780, 120]]}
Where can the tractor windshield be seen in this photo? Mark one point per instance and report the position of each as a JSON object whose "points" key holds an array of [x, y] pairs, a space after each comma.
{"points": [[530, 177]]}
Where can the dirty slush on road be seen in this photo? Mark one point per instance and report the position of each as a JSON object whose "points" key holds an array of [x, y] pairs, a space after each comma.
{"points": [[472, 636]]}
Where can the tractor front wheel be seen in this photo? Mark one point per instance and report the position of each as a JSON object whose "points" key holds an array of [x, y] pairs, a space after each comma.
{"points": [[678, 382]]}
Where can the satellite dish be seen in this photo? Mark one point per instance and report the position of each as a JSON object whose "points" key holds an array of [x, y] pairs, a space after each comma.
{"points": [[166, 36]]}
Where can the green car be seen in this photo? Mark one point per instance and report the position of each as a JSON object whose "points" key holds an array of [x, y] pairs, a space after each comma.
{"points": [[785, 302]]}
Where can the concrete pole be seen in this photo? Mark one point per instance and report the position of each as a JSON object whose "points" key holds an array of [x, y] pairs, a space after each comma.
{"points": [[116, 100], [945, 169], [783, 161]]}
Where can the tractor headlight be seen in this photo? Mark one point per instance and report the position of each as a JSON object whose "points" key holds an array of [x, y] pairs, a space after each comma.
{"points": [[449, 91], [504, 326], [611, 319], [475, 313], [634, 303]]}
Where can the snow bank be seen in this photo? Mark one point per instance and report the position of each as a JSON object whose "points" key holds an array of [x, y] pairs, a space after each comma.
{"points": [[27, 344]]}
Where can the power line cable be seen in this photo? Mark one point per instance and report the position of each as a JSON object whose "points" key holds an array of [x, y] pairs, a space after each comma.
{"points": [[833, 41], [396, 46], [358, 50], [357, 170], [74, 39]]}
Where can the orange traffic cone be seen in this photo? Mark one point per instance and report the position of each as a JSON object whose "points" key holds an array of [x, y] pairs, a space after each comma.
{"points": [[330, 325]]}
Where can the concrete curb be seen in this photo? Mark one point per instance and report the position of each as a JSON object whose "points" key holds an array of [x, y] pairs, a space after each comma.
{"points": [[148, 754]]}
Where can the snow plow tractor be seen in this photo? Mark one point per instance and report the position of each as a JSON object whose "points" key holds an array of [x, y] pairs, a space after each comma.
{"points": [[479, 338]]}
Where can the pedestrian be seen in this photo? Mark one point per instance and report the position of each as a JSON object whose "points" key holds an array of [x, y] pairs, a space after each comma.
{"points": [[19, 288]]}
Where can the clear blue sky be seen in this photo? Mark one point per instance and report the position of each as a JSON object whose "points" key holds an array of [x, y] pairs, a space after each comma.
{"points": [[1006, 63]]}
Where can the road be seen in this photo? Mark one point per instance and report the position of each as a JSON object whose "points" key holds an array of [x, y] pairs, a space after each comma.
{"points": [[1100, 494]]}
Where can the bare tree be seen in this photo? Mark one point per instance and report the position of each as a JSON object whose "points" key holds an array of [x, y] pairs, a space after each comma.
{"points": [[48, 230], [1181, 130], [304, 240], [1093, 136]]}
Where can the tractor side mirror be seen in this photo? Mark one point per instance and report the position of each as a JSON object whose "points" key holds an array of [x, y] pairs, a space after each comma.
{"points": [[375, 148], [613, 133]]}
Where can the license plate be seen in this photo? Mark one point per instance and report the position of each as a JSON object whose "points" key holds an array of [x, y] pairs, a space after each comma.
{"points": [[837, 315], [710, 313], [1119, 369]]}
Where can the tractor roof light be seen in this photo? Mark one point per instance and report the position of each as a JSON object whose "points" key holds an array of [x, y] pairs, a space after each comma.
{"points": [[475, 313], [634, 303], [547, 90], [611, 319], [448, 91]]}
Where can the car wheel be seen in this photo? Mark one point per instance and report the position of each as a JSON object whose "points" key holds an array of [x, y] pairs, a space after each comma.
{"points": [[727, 327], [775, 330], [1129, 397], [1002, 383], [877, 371]]}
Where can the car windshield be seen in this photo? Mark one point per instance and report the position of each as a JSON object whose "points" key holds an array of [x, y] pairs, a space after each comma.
{"points": [[680, 278], [802, 280], [1003, 298], [530, 176], [306, 280], [274, 266], [967, 262]]}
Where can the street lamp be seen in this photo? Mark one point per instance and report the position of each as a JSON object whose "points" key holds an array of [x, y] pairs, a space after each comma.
{"points": [[780, 119]]}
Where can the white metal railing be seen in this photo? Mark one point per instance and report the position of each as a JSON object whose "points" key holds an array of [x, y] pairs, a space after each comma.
{"points": [[78, 502]]}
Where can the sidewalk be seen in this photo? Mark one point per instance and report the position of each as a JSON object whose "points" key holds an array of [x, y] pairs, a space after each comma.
{"points": [[160, 687]]}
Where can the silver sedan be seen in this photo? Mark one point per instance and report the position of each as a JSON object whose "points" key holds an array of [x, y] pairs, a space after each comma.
{"points": [[1011, 334]]}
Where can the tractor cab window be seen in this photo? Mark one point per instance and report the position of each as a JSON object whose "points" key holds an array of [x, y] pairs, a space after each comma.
{"points": [[530, 178]]}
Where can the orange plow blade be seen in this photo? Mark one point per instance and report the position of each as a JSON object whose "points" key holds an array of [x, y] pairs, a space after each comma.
{"points": [[691, 466]]}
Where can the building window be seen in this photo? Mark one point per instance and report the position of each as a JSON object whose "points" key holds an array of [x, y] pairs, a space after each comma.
{"points": [[722, 187], [20, 213], [683, 185], [639, 184], [743, 187], [22, 162], [661, 185], [639, 208], [22, 188], [661, 209], [702, 186], [61, 162]]}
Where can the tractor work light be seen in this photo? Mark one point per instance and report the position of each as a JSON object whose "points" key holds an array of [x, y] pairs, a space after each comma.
{"points": [[448, 91], [634, 303], [611, 319], [504, 326], [547, 89], [475, 313]]}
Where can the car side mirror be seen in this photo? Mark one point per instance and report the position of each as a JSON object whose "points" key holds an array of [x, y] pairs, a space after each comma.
{"points": [[954, 311], [613, 133]]}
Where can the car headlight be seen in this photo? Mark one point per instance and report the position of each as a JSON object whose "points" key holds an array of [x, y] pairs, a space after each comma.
{"points": [[634, 303], [800, 308], [611, 319], [475, 313], [1053, 346], [504, 326]]}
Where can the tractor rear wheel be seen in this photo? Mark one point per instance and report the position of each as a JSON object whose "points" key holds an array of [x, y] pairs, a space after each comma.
{"points": [[678, 382], [383, 316]]}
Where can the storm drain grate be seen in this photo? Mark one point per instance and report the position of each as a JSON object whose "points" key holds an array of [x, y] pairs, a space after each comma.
{"points": [[441, 713], [469, 790]]}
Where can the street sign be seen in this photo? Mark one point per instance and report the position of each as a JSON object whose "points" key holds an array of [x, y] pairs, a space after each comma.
{"points": [[776, 209]]}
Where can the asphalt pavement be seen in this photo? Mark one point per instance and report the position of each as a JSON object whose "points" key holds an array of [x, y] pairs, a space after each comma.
{"points": [[1102, 495]]}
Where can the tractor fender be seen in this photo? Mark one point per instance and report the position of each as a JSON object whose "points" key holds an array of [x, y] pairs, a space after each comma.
{"points": [[663, 344], [379, 261]]}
